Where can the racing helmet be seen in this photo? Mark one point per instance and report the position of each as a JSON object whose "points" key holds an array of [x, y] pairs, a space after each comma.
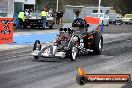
{"points": [[79, 22], [68, 30]]}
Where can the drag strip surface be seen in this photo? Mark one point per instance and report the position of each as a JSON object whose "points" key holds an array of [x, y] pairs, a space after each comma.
{"points": [[19, 70]]}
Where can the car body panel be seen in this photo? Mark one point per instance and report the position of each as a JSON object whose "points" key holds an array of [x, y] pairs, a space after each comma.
{"points": [[103, 18], [114, 18], [127, 18], [35, 20]]}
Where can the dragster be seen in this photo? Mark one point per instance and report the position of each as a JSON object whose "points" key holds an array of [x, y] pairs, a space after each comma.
{"points": [[78, 38]]}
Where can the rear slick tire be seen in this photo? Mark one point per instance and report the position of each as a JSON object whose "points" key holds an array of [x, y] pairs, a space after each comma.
{"points": [[97, 44]]}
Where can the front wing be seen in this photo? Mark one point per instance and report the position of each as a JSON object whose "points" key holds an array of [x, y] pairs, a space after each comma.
{"points": [[48, 51]]}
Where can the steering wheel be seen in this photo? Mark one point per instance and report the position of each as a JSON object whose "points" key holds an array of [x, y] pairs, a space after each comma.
{"points": [[79, 22]]}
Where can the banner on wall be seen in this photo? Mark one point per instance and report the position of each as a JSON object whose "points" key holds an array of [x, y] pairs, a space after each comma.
{"points": [[6, 30]]}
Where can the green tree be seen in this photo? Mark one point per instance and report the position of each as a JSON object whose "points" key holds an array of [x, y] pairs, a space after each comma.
{"points": [[121, 6]]}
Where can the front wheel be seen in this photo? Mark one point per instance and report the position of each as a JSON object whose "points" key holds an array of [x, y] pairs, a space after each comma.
{"points": [[37, 45]]}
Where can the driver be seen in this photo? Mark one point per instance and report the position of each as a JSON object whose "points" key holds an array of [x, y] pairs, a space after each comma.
{"points": [[79, 22]]}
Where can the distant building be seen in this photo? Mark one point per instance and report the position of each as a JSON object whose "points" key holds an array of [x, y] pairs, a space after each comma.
{"points": [[90, 10], [20, 5], [10, 7], [84, 11], [69, 12], [5, 8]]}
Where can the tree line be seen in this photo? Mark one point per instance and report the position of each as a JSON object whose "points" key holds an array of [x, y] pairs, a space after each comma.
{"points": [[121, 6]]}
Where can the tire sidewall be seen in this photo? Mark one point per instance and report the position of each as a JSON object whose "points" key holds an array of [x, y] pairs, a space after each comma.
{"points": [[97, 39]]}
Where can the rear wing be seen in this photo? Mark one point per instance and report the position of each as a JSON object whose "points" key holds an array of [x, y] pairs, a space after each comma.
{"points": [[91, 20]]}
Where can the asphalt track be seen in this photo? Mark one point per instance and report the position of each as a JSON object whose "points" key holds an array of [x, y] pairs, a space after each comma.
{"points": [[19, 70]]}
